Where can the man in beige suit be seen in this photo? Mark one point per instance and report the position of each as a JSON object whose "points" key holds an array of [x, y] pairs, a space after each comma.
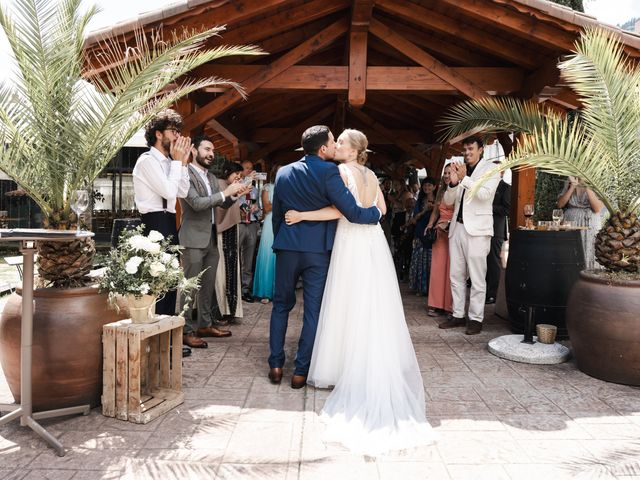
{"points": [[470, 234], [198, 237]]}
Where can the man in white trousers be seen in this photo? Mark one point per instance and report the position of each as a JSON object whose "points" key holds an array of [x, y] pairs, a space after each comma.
{"points": [[470, 234]]}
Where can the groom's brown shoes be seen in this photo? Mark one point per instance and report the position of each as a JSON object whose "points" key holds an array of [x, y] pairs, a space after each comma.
{"points": [[298, 381], [275, 375]]}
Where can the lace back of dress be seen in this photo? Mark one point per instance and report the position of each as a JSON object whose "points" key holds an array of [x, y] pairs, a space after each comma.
{"points": [[363, 184]]}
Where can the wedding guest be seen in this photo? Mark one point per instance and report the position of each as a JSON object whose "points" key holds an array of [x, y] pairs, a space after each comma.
{"points": [[248, 231], [501, 207], [405, 242], [265, 275], [470, 234], [160, 176], [583, 207], [440, 299], [228, 283], [421, 255]]}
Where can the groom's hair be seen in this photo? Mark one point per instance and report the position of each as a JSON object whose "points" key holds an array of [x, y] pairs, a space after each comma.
{"points": [[313, 138]]}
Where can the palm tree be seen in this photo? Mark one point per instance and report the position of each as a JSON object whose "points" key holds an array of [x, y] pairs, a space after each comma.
{"points": [[601, 145], [59, 131]]}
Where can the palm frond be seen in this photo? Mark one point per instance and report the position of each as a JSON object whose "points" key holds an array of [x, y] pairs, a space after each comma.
{"points": [[495, 114]]}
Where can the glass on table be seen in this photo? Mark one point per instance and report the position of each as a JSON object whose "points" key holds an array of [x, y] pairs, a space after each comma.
{"points": [[528, 215], [79, 204], [557, 215]]}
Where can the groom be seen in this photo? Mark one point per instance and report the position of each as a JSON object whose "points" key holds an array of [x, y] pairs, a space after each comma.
{"points": [[304, 249]]}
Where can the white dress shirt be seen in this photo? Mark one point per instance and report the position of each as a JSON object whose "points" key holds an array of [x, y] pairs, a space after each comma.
{"points": [[156, 177]]}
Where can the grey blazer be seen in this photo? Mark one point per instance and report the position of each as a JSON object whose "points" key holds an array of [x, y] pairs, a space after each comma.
{"points": [[195, 226]]}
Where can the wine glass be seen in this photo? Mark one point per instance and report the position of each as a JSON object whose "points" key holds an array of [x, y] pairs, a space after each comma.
{"points": [[79, 204], [528, 213], [557, 216]]}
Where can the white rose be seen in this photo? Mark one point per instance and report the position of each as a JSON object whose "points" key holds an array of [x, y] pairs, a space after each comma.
{"points": [[144, 288], [175, 263], [166, 258], [132, 265], [156, 268], [152, 247], [138, 242], [155, 236]]}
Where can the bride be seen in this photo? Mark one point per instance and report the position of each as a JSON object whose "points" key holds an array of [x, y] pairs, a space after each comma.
{"points": [[362, 345]]}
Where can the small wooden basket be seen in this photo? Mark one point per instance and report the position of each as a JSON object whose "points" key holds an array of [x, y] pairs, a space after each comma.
{"points": [[546, 333]]}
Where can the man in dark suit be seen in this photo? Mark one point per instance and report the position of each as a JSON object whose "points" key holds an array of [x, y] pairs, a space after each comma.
{"points": [[304, 249], [198, 237], [501, 207]]}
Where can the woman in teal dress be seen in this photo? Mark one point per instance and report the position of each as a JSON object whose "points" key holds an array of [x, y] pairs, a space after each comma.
{"points": [[265, 274]]}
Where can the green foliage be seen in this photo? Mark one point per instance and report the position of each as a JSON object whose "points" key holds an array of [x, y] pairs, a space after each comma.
{"points": [[573, 4], [548, 187], [60, 131]]}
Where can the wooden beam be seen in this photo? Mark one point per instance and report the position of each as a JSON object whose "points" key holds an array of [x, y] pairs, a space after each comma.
{"points": [[270, 134], [307, 48], [517, 23], [546, 75], [360, 17], [389, 79], [421, 57], [567, 99], [431, 20], [283, 21], [385, 132], [340, 114], [218, 127], [286, 138]]}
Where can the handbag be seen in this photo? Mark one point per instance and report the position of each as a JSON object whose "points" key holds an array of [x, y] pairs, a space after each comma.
{"points": [[429, 237]]}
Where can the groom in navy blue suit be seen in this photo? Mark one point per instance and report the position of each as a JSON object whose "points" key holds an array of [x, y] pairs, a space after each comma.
{"points": [[304, 249]]}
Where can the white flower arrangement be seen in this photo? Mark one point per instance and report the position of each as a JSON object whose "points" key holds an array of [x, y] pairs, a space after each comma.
{"points": [[145, 265]]}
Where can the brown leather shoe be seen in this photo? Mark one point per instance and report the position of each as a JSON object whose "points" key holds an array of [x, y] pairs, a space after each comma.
{"points": [[191, 340], [275, 375], [212, 332], [474, 327], [298, 381], [452, 322]]}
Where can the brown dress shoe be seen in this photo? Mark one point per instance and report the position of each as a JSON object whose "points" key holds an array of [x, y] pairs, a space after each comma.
{"points": [[212, 332], [298, 381], [275, 375], [474, 327], [191, 340], [452, 322]]}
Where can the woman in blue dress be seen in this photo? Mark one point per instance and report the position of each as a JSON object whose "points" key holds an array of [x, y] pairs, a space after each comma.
{"points": [[265, 274]]}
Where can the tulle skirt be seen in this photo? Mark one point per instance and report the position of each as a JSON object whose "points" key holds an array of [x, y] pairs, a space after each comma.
{"points": [[363, 347]]}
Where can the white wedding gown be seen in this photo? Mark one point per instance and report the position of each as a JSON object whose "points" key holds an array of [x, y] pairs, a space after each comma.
{"points": [[363, 347]]}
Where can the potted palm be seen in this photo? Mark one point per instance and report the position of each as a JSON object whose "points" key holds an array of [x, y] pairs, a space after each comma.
{"points": [[601, 146], [58, 133]]}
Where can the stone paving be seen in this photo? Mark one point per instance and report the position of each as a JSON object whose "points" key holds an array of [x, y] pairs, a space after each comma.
{"points": [[496, 420]]}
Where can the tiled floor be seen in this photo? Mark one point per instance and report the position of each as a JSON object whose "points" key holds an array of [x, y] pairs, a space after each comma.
{"points": [[496, 420]]}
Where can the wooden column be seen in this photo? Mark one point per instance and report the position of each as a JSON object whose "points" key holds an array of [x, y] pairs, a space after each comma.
{"points": [[523, 189]]}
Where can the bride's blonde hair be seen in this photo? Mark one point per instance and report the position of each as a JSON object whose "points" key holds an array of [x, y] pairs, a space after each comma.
{"points": [[359, 142]]}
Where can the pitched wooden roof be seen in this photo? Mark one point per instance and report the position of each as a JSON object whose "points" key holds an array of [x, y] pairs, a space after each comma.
{"points": [[388, 67]]}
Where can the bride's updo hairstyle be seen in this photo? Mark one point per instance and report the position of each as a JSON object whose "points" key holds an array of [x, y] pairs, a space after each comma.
{"points": [[359, 142]]}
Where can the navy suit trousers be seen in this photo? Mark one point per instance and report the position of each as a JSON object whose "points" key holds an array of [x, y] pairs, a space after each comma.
{"points": [[313, 268]]}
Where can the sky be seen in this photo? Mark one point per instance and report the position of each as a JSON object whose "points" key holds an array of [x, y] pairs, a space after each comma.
{"points": [[610, 11]]}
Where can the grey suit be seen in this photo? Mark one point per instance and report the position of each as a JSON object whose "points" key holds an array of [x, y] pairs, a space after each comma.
{"points": [[198, 237]]}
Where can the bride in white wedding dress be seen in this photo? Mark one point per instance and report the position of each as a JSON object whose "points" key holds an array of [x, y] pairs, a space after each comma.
{"points": [[362, 345]]}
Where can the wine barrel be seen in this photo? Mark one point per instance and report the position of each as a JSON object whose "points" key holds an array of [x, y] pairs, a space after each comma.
{"points": [[542, 268], [120, 225]]}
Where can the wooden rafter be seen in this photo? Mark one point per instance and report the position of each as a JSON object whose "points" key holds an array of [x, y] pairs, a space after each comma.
{"points": [[266, 73], [432, 20], [412, 136], [289, 137], [421, 57], [385, 132], [392, 79], [358, 36]]}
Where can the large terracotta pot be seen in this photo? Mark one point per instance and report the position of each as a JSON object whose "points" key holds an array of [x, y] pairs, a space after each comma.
{"points": [[67, 345], [603, 318]]}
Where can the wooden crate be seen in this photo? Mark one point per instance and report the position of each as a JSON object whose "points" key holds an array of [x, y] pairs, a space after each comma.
{"points": [[141, 380]]}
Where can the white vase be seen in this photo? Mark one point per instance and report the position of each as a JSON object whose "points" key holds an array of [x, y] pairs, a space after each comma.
{"points": [[142, 309]]}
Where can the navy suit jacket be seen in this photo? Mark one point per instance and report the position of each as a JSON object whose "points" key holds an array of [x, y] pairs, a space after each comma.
{"points": [[307, 185]]}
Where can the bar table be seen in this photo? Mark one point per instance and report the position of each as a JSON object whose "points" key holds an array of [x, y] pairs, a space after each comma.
{"points": [[24, 411]]}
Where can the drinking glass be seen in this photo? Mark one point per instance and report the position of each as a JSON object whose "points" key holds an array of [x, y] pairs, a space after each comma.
{"points": [[557, 216], [528, 213], [79, 204]]}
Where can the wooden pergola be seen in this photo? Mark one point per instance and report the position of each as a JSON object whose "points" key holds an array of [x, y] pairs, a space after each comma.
{"points": [[387, 67]]}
